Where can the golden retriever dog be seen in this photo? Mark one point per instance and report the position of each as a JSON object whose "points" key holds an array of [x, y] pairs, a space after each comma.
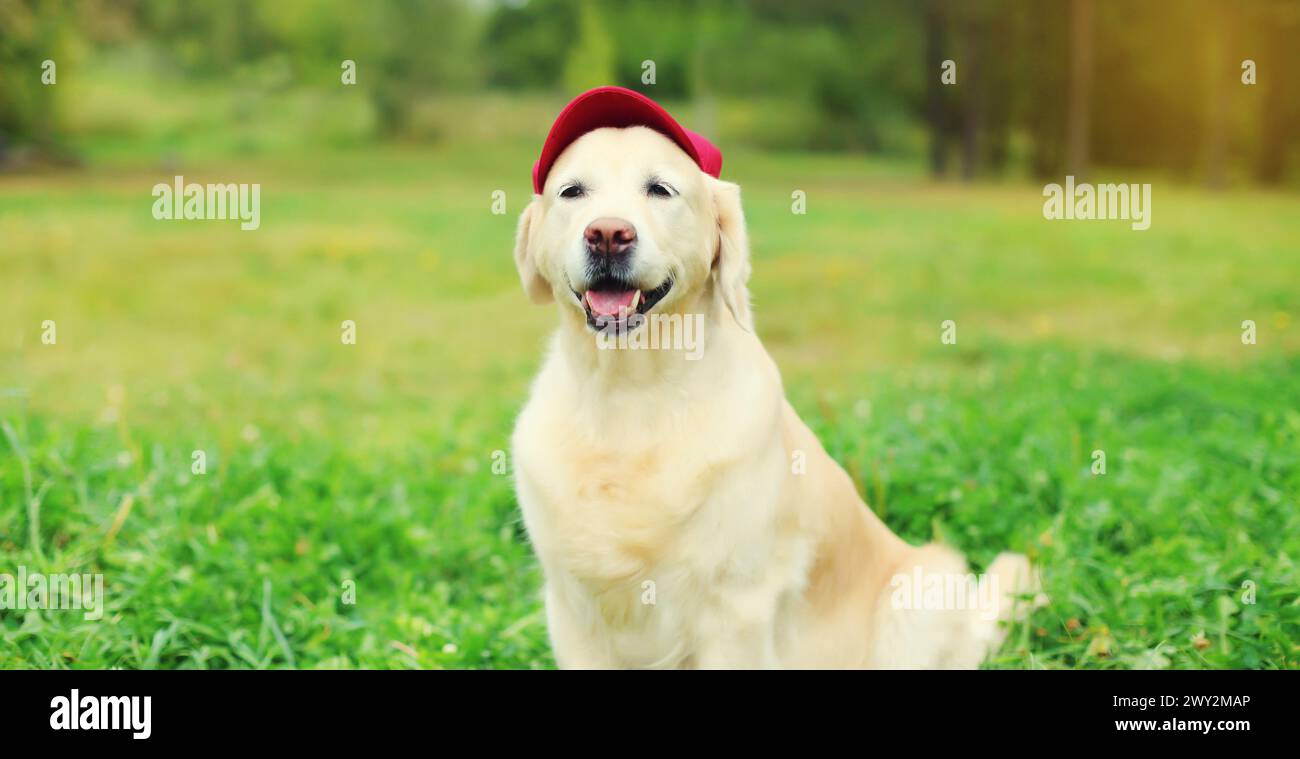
{"points": [[683, 515]]}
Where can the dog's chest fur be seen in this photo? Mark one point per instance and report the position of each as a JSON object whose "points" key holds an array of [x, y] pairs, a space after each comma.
{"points": [[647, 530]]}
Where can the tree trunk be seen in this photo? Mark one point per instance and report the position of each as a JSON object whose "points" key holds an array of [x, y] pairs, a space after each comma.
{"points": [[1219, 71], [973, 95], [1079, 114], [935, 13], [1271, 77]]}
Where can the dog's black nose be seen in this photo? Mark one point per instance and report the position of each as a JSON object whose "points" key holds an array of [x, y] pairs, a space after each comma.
{"points": [[610, 237]]}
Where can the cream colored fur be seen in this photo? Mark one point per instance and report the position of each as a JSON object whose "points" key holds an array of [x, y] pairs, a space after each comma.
{"points": [[662, 496]]}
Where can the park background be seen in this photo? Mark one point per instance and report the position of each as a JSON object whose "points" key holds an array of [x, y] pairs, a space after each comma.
{"points": [[371, 466]]}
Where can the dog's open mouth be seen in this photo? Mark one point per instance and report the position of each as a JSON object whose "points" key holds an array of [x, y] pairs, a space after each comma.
{"points": [[613, 303]]}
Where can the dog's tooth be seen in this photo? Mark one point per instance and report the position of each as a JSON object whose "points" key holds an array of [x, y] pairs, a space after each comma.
{"points": [[636, 300]]}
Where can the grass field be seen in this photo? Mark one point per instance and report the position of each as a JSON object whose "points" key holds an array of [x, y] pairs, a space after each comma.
{"points": [[330, 464]]}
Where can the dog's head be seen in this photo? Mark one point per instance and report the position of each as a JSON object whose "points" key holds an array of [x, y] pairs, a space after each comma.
{"points": [[627, 223]]}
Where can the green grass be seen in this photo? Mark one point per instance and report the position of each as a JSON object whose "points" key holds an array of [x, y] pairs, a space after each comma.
{"points": [[372, 463]]}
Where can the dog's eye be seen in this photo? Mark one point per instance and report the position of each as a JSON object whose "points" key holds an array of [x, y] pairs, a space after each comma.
{"points": [[659, 190], [573, 191]]}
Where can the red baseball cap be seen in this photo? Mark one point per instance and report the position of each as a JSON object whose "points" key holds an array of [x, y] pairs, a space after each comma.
{"points": [[619, 107]]}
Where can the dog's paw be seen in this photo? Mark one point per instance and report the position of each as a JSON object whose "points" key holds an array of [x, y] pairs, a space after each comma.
{"points": [[1020, 589]]}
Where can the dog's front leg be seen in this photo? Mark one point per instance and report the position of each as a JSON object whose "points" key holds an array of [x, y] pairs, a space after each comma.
{"points": [[750, 647], [574, 642]]}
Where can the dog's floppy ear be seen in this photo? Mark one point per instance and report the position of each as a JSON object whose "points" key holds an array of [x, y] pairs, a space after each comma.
{"points": [[530, 222], [731, 259]]}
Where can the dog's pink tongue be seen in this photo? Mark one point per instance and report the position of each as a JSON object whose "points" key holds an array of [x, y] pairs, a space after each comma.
{"points": [[608, 302]]}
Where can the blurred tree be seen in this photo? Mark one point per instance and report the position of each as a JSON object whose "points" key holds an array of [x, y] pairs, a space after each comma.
{"points": [[410, 48], [30, 111], [205, 38], [982, 111], [525, 44], [1041, 112], [1000, 80], [973, 114], [1217, 74], [938, 111], [1078, 120], [1278, 63], [403, 48], [1051, 87], [590, 62]]}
